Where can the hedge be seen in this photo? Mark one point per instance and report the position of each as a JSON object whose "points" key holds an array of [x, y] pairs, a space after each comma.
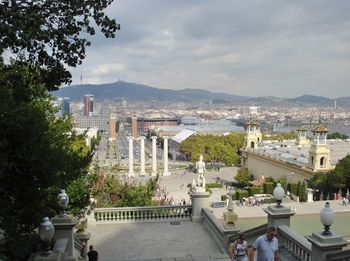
{"points": [[269, 187], [254, 190], [241, 194], [293, 188], [269, 200], [213, 185]]}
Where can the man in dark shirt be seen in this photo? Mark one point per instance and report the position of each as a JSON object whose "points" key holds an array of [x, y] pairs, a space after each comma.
{"points": [[92, 254]]}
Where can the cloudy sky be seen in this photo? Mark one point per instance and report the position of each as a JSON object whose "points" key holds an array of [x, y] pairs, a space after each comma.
{"points": [[251, 48]]}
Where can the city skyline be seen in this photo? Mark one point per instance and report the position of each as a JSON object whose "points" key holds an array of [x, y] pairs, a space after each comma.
{"points": [[261, 48]]}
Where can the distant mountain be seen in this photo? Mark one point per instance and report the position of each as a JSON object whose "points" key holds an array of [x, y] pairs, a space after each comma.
{"points": [[140, 92], [311, 99]]}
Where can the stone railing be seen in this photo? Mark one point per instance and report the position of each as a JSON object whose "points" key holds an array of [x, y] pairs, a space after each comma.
{"points": [[216, 228], [253, 234], [142, 214], [292, 245], [340, 256]]}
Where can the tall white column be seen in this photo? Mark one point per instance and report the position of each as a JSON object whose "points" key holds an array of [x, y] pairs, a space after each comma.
{"points": [[142, 156], [131, 157], [154, 155], [165, 156]]}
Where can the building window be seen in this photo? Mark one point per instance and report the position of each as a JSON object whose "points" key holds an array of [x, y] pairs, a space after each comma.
{"points": [[252, 145], [322, 162]]}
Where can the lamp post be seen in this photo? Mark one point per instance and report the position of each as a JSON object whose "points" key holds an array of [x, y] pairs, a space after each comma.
{"points": [[62, 201], [327, 217], [46, 232], [278, 193]]}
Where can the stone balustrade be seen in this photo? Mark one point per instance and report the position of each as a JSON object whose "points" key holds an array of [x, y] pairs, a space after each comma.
{"points": [[339, 256], [292, 245], [142, 214]]}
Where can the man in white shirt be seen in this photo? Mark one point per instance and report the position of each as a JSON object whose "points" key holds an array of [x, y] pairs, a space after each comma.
{"points": [[267, 246]]}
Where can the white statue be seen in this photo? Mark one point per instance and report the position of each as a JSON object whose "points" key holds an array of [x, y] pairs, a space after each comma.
{"points": [[200, 168]]}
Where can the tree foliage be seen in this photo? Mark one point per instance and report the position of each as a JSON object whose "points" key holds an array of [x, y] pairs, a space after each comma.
{"points": [[243, 177], [214, 148], [337, 135], [39, 41], [51, 35], [281, 136], [39, 154], [115, 193], [335, 179]]}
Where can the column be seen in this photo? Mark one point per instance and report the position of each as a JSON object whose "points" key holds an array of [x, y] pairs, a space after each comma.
{"points": [[154, 155], [142, 156], [165, 156], [131, 157]]}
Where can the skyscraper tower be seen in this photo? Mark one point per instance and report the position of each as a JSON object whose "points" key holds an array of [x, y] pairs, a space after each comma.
{"points": [[89, 104], [65, 106]]}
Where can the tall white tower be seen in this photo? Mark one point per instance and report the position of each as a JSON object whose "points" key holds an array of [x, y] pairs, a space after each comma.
{"points": [[254, 135], [319, 152]]}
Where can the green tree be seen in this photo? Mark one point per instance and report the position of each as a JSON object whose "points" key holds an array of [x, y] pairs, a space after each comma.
{"points": [[337, 135], [214, 148], [40, 154], [243, 177], [53, 34]]}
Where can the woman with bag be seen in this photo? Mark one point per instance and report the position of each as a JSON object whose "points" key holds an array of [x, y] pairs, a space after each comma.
{"points": [[239, 249]]}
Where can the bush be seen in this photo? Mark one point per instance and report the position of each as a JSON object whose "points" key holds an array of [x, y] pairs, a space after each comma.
{"points": [[269, 200], [213, 185], [293, 188], [269, 187], [223, 197], [254, 190], [241, 194]]}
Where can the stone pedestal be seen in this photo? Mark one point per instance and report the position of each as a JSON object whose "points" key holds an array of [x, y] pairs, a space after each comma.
{"points": [[84, 237], [199, 200], [322, 245], [278, 215], [64, 229]]}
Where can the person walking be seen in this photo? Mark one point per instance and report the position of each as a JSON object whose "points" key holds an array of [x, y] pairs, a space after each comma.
{"points": [[267, 246], [92, 254], [239, 249]]}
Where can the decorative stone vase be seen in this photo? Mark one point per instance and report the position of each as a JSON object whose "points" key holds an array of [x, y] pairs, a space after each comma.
{"points": [[62, 201], [327, 217], [46, 232]]}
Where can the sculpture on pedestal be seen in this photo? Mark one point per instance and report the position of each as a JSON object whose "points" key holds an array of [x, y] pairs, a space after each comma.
{"points": [[200, 168]]}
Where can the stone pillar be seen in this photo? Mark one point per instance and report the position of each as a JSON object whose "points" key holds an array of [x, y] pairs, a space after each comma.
{"points": [[322, 245], [131, 157], [199, 200], [83, 236], [154, 155], [278, 215], [166, 170], [142, 156], [64, 229]]}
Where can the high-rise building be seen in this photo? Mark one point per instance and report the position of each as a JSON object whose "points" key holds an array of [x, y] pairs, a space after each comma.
{"points": [[89, 105], [65, 106]]}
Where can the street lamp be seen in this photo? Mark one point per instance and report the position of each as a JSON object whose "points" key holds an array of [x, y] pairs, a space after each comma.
{"points": [[278, 193], [46, 232], [327, 217]]}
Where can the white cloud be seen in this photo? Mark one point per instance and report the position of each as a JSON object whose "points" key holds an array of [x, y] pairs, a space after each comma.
{"points": [[267, 47]]}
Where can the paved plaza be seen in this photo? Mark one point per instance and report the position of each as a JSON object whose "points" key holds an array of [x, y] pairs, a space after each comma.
{"points": [[190, 240]]}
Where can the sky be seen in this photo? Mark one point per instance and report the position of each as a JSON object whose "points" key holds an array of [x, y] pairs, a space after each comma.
{"points": [[251, 48]]}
